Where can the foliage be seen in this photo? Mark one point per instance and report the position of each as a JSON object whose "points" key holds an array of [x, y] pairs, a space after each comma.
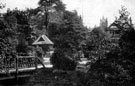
{"points": [[111, 65], [15, 32], [64, 28], [8, 42], [118, 66], [68, 36], [48, 12], [70, 32], [97, 44], [61, 60], [58, 5]]}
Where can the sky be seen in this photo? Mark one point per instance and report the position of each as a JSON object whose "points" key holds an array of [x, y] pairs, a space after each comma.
{"points": [[90, 10]]}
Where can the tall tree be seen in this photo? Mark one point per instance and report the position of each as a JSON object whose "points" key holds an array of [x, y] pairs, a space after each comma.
{"points": [[68, 37], [49, 11], [97, 43], [7, 36], [17, 29]]}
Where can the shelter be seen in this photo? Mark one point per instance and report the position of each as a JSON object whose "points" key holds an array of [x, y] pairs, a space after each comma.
{"points": [[43, 40], [47, 46]]}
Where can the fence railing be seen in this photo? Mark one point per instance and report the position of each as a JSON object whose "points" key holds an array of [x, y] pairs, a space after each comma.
{"points": [[19, 62]]}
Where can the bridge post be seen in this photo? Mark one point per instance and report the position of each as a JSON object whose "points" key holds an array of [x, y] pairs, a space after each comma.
{"points": [[35, 58], [16, 67]]}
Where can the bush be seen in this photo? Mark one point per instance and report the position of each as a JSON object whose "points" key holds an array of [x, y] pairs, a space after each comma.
{"points": [[62, 61]]}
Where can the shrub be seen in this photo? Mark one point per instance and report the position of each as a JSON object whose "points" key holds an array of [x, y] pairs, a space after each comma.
{"points": [[61, 60]]}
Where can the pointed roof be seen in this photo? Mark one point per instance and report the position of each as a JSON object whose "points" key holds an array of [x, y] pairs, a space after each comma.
{"points": [[42, 40]]}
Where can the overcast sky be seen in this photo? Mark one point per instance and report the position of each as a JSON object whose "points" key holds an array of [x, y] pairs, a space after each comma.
{"points": [[91, 10]]}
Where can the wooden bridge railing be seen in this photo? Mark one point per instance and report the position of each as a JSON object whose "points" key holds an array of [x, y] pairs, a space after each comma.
{"points": [[19, 62], [26, 61]]}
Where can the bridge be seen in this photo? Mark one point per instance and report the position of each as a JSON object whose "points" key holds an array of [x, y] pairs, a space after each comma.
{"points": [[21, 66]]}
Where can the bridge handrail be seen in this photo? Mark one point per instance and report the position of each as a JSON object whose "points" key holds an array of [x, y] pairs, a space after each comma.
{"points": [[16, 63], [26, 56]]}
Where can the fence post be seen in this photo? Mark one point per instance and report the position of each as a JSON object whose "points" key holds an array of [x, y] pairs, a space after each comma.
{"points": [[35, 62], [16, 61]]}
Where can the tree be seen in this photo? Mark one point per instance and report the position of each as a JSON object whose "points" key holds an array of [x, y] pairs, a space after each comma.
{"points": [[23, 30], [68, 37], [97, 43], [16, 29], [8, 40], [49, 11]]}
